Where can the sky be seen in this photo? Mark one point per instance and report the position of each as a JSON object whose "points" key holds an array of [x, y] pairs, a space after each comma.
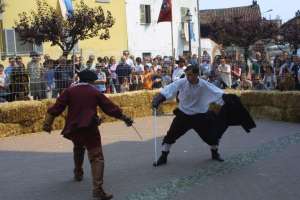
{"points": [[286, 9]]}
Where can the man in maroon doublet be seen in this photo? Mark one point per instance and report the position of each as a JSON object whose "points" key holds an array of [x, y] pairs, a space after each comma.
{"points": [[81, 126]]}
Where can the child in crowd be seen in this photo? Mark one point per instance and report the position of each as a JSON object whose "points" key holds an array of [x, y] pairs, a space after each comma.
{"points": [[269, 79], [125, 85]]}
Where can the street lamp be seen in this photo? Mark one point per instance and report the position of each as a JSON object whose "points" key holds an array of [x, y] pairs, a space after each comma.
{"points": [[188, 18], [267, 11]]}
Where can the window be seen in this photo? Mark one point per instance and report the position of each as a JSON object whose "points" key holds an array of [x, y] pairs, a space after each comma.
{"points": [[145, 11], [14, 46], [146, 55], [103, 1]]}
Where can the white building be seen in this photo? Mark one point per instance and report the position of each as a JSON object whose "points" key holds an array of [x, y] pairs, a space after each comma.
{"points": [[147, 37]]}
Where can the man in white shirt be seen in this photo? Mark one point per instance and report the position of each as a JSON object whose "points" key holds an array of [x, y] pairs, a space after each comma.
{"points": [[225, 73], [128, 60], [179, 70], [195, 96]]}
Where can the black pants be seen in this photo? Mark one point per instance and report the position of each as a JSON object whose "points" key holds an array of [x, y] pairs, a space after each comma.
{"points": [[203, 123]]}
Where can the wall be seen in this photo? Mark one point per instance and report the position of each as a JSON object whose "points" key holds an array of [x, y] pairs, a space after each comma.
{"points": [[113, 46], [156, 38], [23, 117]]}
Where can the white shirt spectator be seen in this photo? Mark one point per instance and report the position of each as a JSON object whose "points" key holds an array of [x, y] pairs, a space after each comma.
{"points": [[177, 73], [225, 74], [193, 98], [2, 80], [130, 62], [139, 68]]}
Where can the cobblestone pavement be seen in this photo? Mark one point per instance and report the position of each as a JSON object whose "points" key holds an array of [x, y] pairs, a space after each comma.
{"points": [[261, 165]]}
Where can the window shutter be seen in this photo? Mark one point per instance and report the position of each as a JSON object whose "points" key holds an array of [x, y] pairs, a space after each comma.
{"points": [[103, 1], [142, 14], [21, 47], [183, 12], [148, 14], [10, 45]]}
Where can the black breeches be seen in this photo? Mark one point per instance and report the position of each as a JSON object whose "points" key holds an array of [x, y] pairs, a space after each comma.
{"points": [[203, 124]]}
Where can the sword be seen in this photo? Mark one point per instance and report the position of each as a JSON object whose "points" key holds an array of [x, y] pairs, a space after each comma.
{"points": [[136, 131]]}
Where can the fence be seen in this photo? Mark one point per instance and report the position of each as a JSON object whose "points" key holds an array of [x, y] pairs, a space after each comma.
{"points": [[41, 82]]}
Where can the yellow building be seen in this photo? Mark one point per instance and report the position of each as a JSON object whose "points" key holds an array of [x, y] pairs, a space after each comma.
{"points": [[10, 44]]}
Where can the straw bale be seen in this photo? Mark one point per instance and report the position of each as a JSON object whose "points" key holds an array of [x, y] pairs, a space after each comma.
{"points": [[21, 111], [268, 112], [286, 99], [59, 123], [292, 115], [168, 107], [9, 129], [255, 98]]}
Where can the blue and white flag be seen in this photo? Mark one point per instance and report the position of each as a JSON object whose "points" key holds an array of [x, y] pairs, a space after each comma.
{"points": [[66, 8]]}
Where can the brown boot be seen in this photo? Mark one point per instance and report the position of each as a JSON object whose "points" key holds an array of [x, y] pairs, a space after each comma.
{"points": [[78, 153], [97, 167]]}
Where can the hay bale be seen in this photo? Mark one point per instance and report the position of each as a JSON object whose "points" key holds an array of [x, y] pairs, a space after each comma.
{"points": [[256, 98], [267, 112], [291, 114], [168, 107], [22, 111], [9, 129]]}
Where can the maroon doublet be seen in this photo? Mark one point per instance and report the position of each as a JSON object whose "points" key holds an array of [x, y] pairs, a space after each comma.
{"points": [[81, 123]]}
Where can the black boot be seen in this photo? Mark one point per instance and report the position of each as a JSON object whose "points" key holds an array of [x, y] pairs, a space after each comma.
{"points": [[162, 159], [216, 156]]}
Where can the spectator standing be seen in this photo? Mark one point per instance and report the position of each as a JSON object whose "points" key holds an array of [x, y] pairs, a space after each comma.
{"points": [[147, 78], [35, 71], [9, 68], [19, 81], [224, 71], [194, 60], [206, 57], [101, 81], [236, 75], [125, 85], [245, 83], [128, 60], [123, 70], [3, 88], [139, 67], [49, 77], [270, 78], [63, 75], [294, 68], [113, 75], [256, 64], [166, 78], [179, 70], [91, 63], [157, 79]]}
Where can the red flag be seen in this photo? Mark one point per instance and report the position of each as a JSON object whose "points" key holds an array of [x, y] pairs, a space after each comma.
{"points": [[165, 14]]}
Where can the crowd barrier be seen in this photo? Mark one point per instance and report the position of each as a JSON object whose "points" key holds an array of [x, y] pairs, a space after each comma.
{"points": [[23, 117]]}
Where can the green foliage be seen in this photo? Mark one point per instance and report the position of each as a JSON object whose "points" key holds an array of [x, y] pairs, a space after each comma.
{"points": [[291, 34], [47, 25]]}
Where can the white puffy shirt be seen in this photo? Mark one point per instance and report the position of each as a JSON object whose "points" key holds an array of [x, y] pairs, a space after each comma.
{"points": [[193, 98]]}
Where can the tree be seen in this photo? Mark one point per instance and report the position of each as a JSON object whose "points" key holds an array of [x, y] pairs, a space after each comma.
{"points": [[48, 25], [2, 7], [242, 32], [291, 34]]}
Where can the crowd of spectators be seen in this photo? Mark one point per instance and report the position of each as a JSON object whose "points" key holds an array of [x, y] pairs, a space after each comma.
{"points": [[259, 73], [46, 78]]}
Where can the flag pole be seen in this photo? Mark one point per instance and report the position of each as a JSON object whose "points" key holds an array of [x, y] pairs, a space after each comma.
{"points": [[199, 34], [172, 38]]}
